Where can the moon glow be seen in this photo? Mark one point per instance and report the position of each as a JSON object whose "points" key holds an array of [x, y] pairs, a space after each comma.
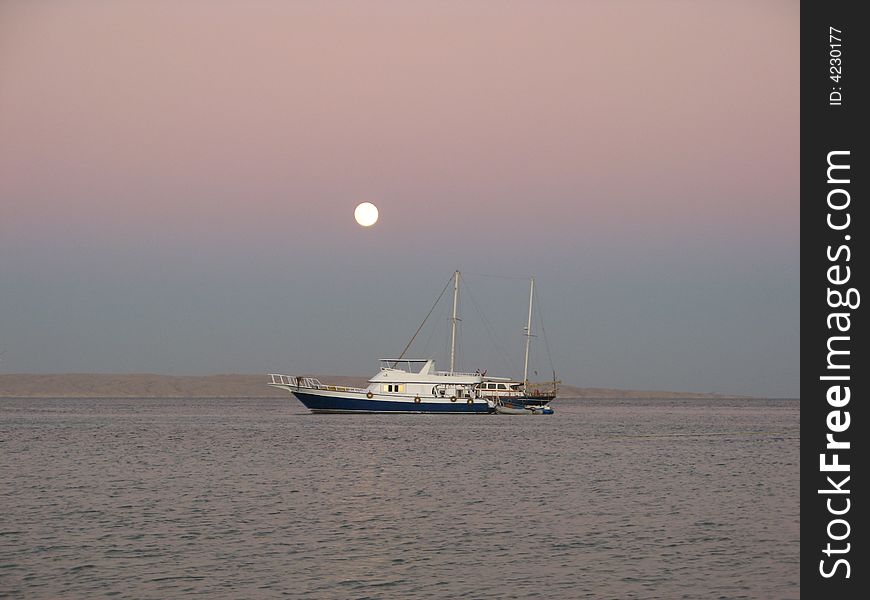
{"points": [[366, 214]]}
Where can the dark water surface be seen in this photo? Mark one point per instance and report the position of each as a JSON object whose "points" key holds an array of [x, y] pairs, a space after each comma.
{"points": [[258, 499]]}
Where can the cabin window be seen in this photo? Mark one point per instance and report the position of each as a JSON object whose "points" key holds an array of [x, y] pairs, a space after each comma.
{"points": [[393, 387], [502, 386]]}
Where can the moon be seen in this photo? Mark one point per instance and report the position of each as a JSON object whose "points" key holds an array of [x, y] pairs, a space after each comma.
{"points": [[366, 214]]}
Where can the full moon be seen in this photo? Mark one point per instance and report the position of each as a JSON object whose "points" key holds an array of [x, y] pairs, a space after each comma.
{"points": [[366, 214]]}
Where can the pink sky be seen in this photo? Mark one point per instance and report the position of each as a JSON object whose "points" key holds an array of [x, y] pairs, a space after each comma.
{"points": [[250, 130], [226, 112]]}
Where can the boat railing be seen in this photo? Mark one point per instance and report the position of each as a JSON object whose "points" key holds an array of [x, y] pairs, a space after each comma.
{"points": [[341, 388], [291, 380], [501, 393], [449, 373], [542, 391], [309, 382]]}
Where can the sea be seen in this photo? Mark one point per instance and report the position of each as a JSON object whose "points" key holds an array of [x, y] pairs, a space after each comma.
{"points": [[258, 498]]}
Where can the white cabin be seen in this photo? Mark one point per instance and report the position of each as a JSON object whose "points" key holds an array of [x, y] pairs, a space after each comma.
{"points": [[406, 377]]}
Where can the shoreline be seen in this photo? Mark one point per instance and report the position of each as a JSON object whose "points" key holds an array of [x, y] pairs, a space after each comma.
{"points": [[152, 385]]}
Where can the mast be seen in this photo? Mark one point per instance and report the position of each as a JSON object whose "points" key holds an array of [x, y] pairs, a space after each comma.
{"points": [[454, 320], [528, 337]]}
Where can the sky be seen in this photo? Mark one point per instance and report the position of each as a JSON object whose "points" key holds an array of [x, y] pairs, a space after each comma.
{"points": [[178, 180]]}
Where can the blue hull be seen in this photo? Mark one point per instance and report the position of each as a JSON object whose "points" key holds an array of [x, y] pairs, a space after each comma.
{"points": [[319, 403]]}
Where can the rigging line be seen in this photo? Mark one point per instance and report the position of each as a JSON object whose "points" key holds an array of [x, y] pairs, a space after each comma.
{"points": [[424, 320], [432, 330], [447, 338], [544, 334], [490, 330], [460, 347]]}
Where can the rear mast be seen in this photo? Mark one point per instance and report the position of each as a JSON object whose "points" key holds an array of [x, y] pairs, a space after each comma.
{"points": [[528, 338], [454, 320]]}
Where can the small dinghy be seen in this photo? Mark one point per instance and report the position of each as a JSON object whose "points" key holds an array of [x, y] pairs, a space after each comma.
{"points": [[515, 408]]}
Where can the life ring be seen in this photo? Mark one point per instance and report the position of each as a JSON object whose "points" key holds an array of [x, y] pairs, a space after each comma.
{"points": [[369, 395], [417, 399], [471, 401], [453, 398]]}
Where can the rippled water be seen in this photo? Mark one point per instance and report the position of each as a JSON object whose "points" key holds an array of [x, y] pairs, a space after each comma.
{"points": [[257, 498]]}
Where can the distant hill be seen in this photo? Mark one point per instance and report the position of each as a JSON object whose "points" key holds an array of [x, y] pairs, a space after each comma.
{"points": [[570, 391], [147, 385], [139, 385]]}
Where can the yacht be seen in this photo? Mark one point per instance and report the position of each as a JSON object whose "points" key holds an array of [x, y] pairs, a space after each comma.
{"points": [[414, 385], [407, 385]]}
